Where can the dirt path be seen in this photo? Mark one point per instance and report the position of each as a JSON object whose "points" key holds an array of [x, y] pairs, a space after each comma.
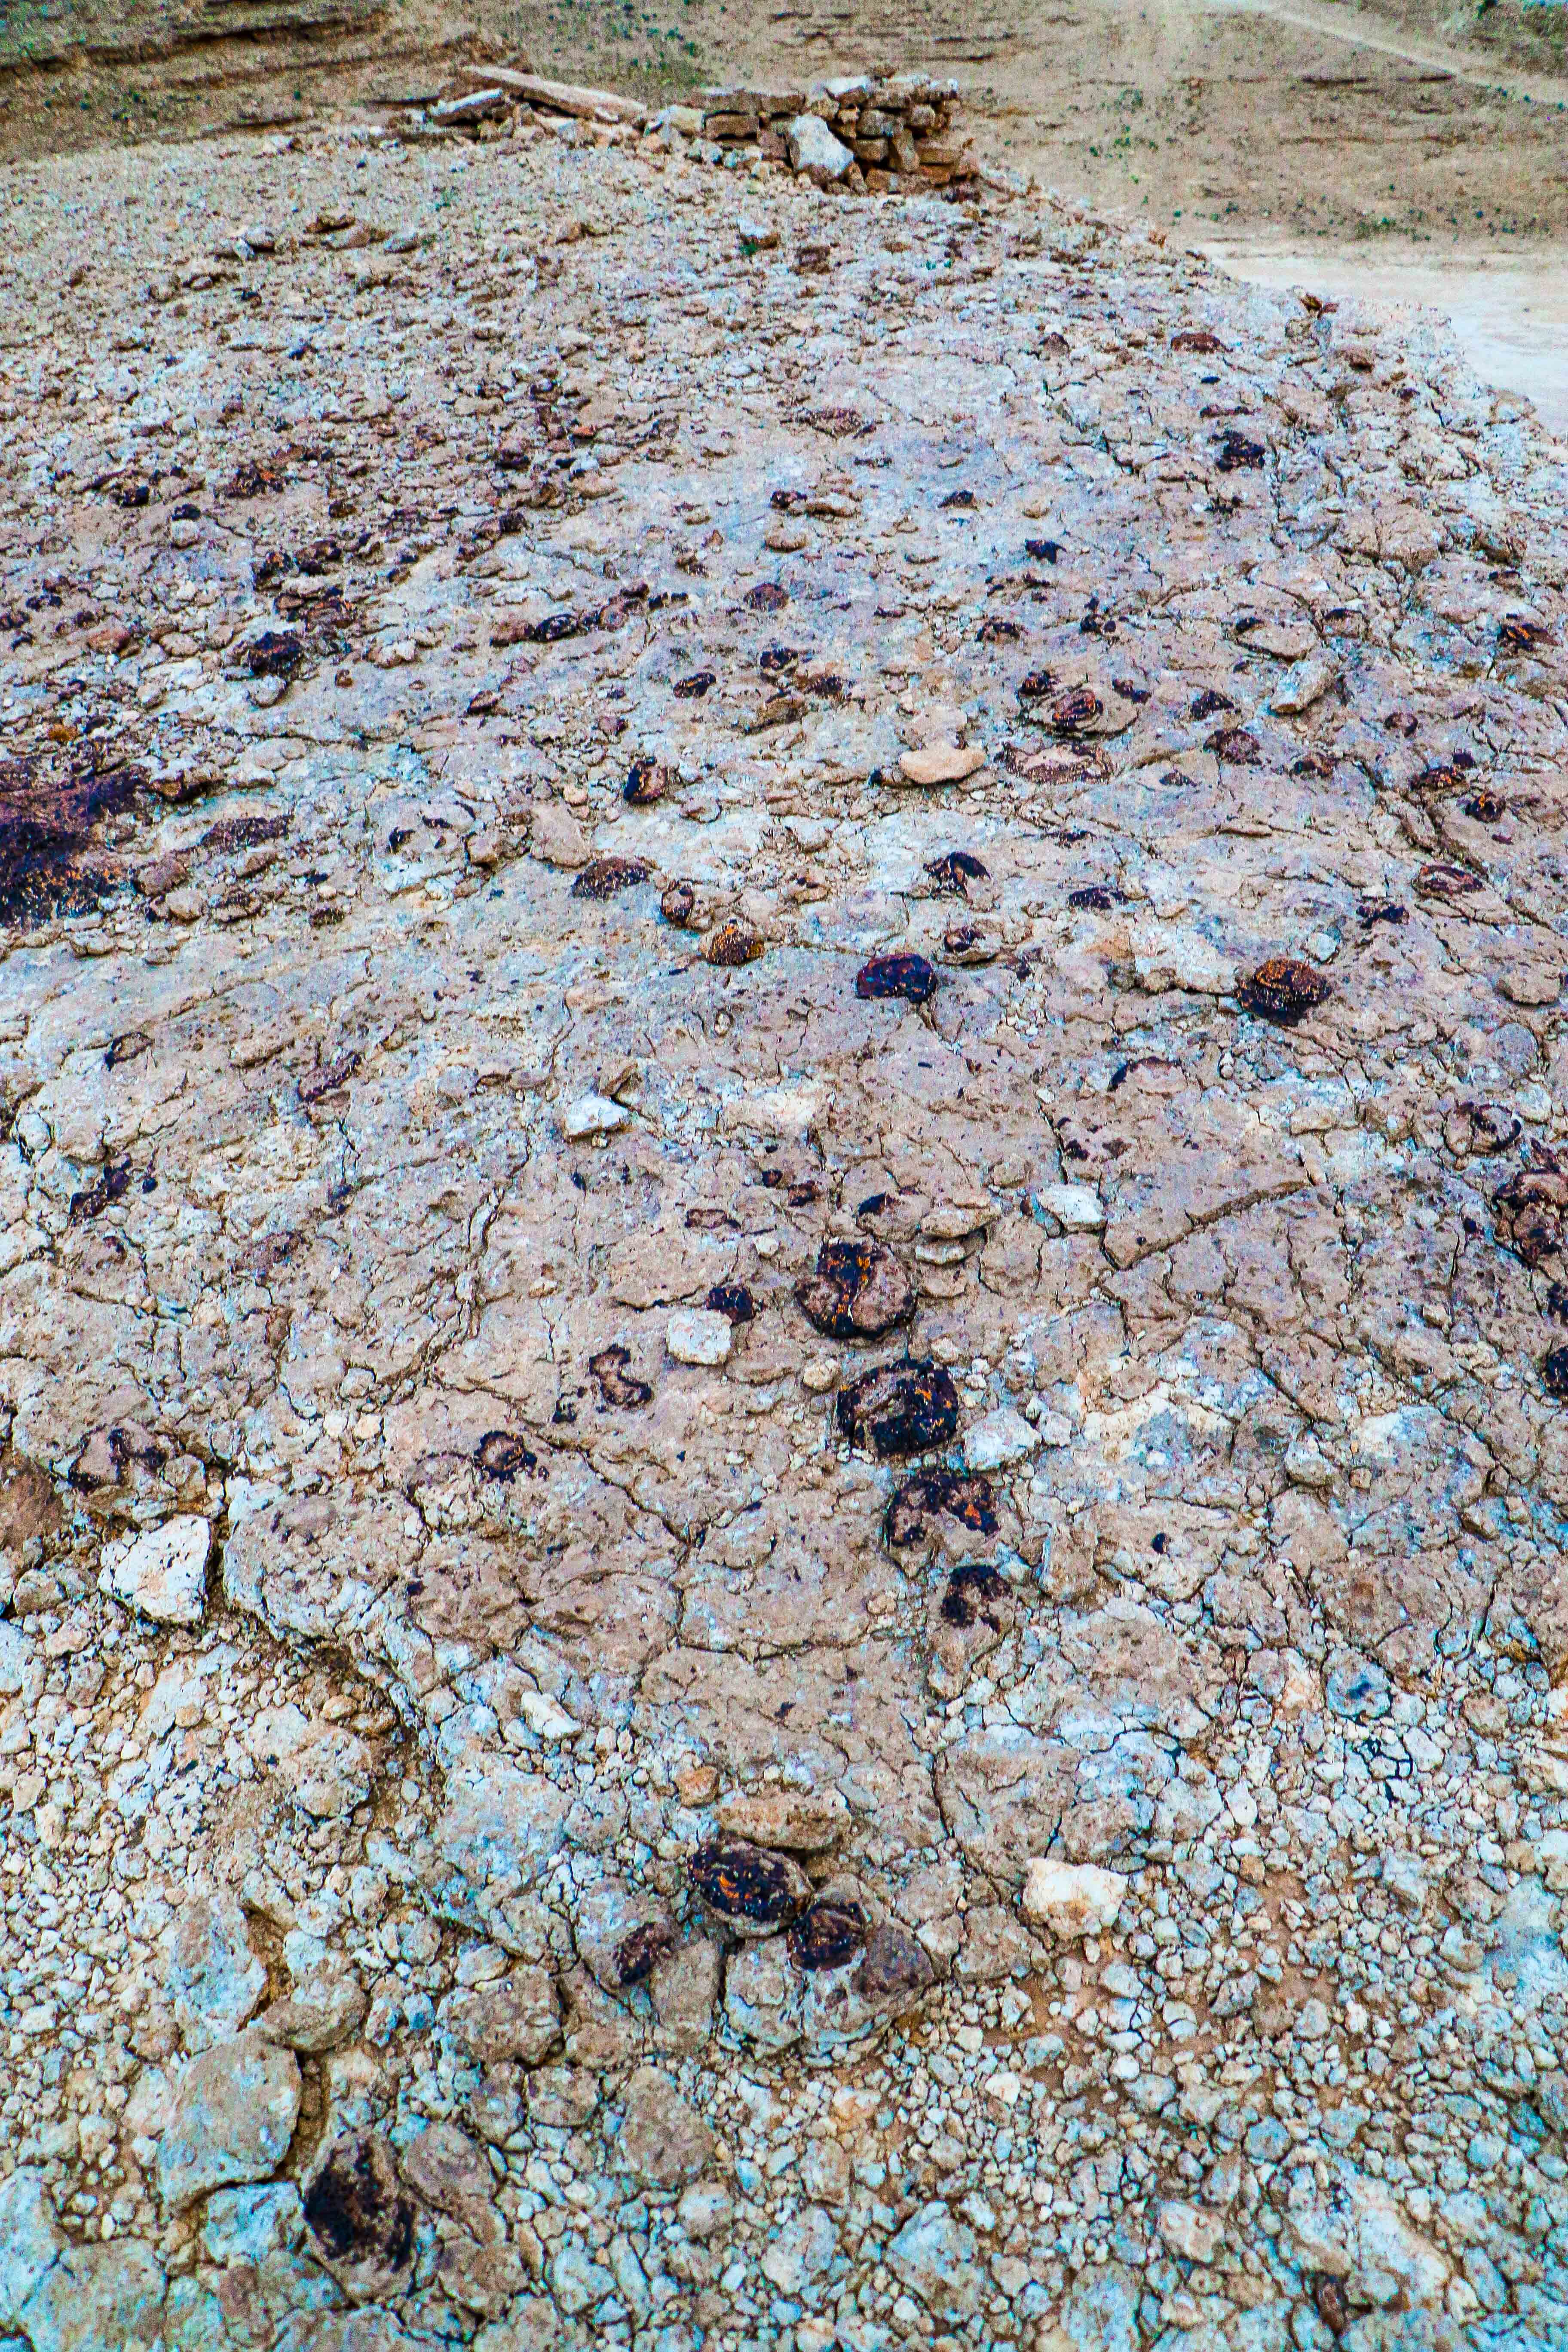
{"points": [[1507, 308], [1254, 117], [1362, 30]]}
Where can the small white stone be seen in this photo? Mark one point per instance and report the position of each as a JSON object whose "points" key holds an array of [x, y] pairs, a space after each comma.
{"points": [[697, 1336], [542, 1716], [1078, 1207], [939, 763], [1003, 1437], [164, 1572], [593, 1115], [1073, 1898], [813, 150], [1302, 685]]}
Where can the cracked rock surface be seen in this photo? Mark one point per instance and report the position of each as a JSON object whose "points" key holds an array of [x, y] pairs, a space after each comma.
{"points": [[780, 1310]]}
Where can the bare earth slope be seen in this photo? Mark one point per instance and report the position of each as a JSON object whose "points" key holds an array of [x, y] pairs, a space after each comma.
{"points": [[1301, 119], [782, 1061]]}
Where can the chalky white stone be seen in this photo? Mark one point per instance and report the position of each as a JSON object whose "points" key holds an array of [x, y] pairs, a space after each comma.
{"points": [[698, 1336], [164, 1572], [1073, 1899], [814, 151], [1000, 1440], [1077, 1207], [593, 1115]]}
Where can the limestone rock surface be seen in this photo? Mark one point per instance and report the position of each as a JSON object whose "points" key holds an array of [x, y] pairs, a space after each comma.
{"points": [[783, 1259]]}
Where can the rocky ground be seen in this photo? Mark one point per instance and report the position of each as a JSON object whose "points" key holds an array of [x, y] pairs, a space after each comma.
{"points": [[782, 1318], [1406, 125]]}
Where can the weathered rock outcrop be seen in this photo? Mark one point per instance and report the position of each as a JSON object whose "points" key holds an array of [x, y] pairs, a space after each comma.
{"points": [[785, 1162]]}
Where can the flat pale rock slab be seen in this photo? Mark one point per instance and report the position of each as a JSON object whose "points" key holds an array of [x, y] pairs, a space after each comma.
{"points": [[941, 763], [233, 2116], [800, 1820], [1286, 640], [163, 1573], [568, 97], [663, 2141], [557, 837], [700, 1337]]}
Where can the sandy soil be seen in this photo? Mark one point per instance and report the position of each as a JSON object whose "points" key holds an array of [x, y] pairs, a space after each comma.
{"points": [[1509, 311], [1304, 119]]}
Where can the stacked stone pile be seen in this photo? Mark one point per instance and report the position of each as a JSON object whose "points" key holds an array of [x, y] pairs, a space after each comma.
{"points": [[876, 134]]}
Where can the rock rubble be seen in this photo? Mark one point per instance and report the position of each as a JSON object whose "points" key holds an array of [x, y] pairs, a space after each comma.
{"points": [[870, 134], [882, 133], [857, 1646]]}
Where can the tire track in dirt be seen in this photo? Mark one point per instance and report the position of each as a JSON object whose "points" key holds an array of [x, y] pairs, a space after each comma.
{"points": [[1363, 31]]}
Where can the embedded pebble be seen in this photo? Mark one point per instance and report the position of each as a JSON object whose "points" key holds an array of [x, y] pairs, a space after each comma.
{"points": [[700, 1335], [163, 1573], [1072, 1898]]}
